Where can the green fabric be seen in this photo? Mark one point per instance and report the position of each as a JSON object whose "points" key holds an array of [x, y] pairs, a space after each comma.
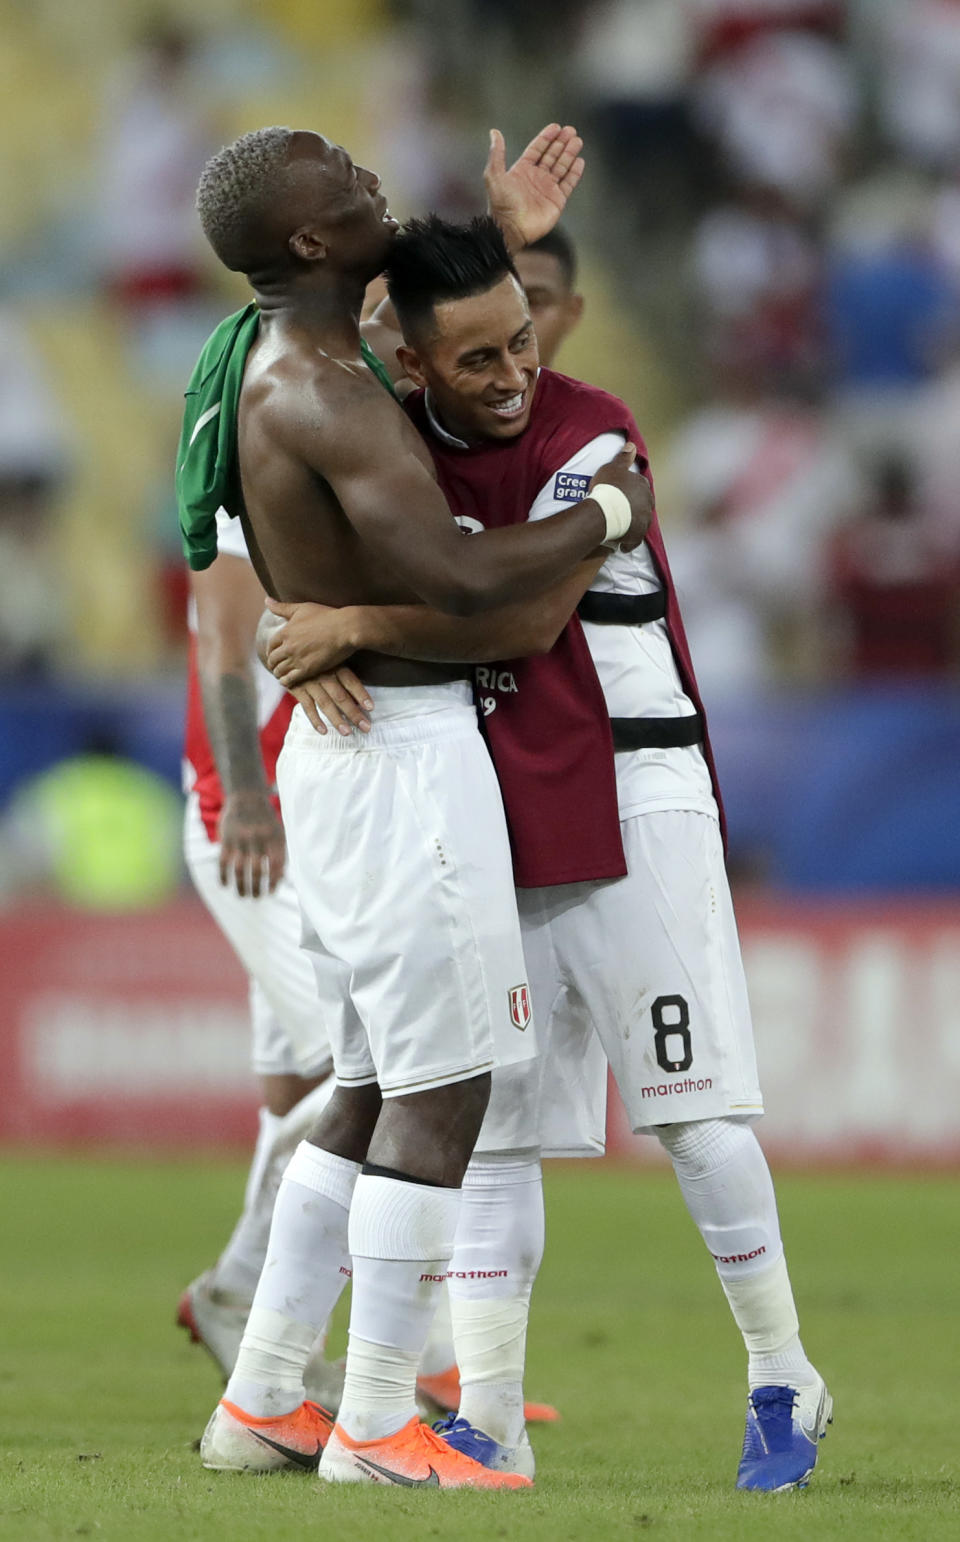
{"points": [[207, 457], [207, 473], [374, 362]]}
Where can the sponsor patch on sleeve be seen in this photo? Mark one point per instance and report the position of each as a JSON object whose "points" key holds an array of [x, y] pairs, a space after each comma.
{"points": [[570, 486]]}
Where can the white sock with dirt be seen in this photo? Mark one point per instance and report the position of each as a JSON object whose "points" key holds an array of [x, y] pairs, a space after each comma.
{"points": [[438, 1352], [401, 1238], [498, 1252], [306, 1267], [237, 1270], [725, 1180]]}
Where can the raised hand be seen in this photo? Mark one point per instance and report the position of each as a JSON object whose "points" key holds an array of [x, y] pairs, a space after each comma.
{"points": [[527, 200]]}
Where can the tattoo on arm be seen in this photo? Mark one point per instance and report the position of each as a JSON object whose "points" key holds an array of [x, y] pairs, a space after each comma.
{"points": [[230, 709]]}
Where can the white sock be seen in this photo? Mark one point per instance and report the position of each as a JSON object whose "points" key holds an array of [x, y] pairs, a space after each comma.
{"points": [[438, 1352], [498, 1252], [237, 1270], [401, 1238], [763, 1308], [306, 1268], [726, 1183]]}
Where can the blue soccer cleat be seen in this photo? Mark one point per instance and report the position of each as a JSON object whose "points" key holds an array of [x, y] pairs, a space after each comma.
{"points": [[465, 1437], [784, 1426]]}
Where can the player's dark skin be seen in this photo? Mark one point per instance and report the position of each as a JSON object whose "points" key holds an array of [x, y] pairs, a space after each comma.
{"points": [[341, 507]]}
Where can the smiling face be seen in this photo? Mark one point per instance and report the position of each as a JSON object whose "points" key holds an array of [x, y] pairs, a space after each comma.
{"points": [[337, 208], [479, 358]]}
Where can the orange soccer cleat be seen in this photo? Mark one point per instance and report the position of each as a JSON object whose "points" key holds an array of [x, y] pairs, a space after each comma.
{"points": [[235, 1441], [414, 1457], [442, 1392]]}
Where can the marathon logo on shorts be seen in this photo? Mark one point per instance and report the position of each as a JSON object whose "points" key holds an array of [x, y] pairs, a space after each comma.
{"points": [[570, 486], [520, 1010]]}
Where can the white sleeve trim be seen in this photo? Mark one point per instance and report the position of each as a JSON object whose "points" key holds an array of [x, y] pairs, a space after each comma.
{"points": [[586, 461]]}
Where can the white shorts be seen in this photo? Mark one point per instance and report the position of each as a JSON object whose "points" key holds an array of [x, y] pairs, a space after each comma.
{"points": [[289, 1034], [398, 850], [644, 971]]}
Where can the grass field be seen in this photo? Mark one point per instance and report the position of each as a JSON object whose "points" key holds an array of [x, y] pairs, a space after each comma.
{"points": [[100, 1398]]}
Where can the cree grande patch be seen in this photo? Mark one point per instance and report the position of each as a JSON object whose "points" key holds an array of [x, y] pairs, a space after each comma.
{"points": [[570, 486]]}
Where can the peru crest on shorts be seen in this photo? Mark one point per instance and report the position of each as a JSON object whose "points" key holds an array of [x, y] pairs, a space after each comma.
{"points": [[520, 1009]]}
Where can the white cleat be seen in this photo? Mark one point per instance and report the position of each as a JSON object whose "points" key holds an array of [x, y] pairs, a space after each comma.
{"points": [[214, 1318], [235, 1441]]}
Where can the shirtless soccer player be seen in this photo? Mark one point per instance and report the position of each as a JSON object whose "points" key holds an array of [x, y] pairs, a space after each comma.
{"points": [[237, 716], [603, 759], [397, 845], [236, 720]]}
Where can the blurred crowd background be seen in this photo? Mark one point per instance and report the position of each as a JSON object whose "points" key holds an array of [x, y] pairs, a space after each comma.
{"points": [[769, 243]]}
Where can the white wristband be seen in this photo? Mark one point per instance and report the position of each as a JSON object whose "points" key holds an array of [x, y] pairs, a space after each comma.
{"points": [[616, 511]]}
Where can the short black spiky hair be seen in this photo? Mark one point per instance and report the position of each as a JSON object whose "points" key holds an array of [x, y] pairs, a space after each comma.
{"points": [[432, 260], [557, 243]]}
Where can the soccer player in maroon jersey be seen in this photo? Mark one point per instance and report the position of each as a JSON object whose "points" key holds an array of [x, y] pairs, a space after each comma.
{"points": [[600, 743]]}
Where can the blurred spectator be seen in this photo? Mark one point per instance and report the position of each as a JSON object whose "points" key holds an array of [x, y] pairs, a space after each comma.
{"points": [[757, 278], [919, 91], [33, 465], [894, 584], [945, 228], [426, 155], [632, 68], [935, 442], [726, 24], [781, 108], [154, 142], [890, 305], [761, 481]]}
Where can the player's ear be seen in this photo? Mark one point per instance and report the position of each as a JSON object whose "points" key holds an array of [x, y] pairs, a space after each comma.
{"points": [[575, 310], [409, 361], [307, 245]]}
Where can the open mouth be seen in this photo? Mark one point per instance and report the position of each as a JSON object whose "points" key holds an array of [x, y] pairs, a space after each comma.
{"points": [[511, 408], [386, 218]]}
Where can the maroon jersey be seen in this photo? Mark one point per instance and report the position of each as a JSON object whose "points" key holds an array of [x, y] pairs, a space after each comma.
{"points": [[551, 739]]}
